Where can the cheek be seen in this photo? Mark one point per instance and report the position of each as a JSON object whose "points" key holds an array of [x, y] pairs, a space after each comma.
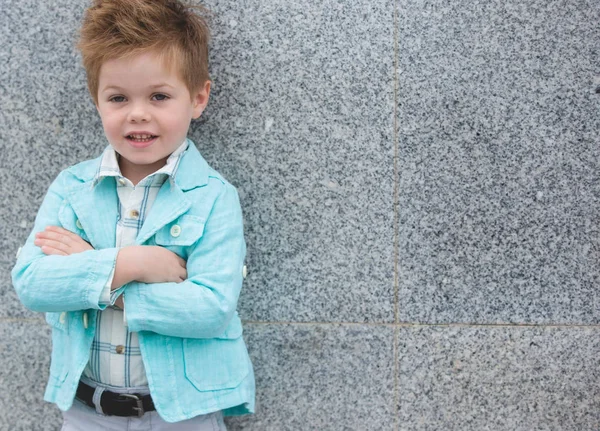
{"points": [[176, 120], [110, 120], [111, 129]]}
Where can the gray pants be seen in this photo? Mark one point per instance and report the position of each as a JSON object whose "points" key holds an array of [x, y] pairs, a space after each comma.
{"points": [[81, 417]]}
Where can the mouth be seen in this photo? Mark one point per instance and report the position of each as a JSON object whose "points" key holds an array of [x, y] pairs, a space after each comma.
{"points": [[141, 138]]}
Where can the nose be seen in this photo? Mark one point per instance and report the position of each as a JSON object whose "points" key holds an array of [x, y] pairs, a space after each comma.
{"points": [[138, 113]]}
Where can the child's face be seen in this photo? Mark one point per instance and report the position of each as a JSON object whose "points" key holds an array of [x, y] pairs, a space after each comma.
{"points": [[146, 110]]}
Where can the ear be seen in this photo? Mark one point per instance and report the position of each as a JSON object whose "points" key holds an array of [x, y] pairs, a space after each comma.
{"points": [[200, 100]]}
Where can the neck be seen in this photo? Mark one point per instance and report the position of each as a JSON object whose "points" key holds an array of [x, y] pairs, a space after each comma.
{"points": [[136, 173]]}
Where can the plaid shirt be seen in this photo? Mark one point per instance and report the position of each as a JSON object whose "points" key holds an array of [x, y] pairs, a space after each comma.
{"points": [[115, 357]]}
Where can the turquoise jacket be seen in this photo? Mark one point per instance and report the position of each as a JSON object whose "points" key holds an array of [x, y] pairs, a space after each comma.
{"points": [[190, 333]]}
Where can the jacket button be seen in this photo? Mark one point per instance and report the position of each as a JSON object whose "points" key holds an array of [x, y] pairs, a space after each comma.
{"points": [[63, 317], [85, 320], [175, 230], [78, 224], [244, 271]]}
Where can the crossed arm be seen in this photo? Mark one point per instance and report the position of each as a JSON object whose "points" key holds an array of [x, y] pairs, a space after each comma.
{"points": [[148, 264]]}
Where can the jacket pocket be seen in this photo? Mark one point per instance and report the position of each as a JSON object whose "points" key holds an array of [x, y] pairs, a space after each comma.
{"points": [[216, 363], [180, 235], [184, 231]]}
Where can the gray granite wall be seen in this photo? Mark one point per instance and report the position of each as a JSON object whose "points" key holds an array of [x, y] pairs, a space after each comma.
{"points": [[421, 196]]}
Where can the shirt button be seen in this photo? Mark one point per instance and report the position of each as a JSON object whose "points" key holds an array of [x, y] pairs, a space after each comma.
{"points": [[78, 224], [120, 349], [175, 230], [121, 181], [134, 213]]}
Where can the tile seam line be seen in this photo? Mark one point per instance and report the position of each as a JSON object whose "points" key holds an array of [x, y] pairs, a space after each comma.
{"points": [[409, 325], [375, 324], [396, 208], [396, 197]]}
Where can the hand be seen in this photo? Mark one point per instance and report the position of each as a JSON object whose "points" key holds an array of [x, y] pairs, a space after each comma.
{"points": [[152, 264], [59, 241]]}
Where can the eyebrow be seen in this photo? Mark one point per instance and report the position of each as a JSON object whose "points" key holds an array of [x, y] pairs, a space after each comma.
{"points": [[116, 87]]}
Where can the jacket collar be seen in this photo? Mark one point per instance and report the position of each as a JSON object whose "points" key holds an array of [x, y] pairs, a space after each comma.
{"points": [[192, 171]]}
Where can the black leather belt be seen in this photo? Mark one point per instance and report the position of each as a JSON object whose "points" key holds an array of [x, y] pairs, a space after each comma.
{"points": [[114, 404]]}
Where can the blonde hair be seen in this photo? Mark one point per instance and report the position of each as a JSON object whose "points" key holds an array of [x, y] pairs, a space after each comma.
{"points": [[113, 29]]}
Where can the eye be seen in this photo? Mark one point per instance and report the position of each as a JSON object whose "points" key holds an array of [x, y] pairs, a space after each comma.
{"points": [[117, 99], [160, 97]]}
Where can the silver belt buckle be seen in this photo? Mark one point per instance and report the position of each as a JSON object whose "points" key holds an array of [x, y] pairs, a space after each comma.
{"points": [[140, 407]]}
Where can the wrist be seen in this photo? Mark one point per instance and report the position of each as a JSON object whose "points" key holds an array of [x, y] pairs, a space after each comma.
{"points": [[126, 268], [132, 261]]}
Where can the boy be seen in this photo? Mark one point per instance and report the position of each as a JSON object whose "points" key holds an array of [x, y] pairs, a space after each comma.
{"points": [[137, 256]]}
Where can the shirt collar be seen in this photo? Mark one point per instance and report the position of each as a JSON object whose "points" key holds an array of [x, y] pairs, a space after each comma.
{"points": [[109, 164]]}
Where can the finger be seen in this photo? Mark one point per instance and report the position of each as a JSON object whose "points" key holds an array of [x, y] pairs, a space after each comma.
{"points": [[52, 244], [55, 236], [52, 251], [62, 231]]}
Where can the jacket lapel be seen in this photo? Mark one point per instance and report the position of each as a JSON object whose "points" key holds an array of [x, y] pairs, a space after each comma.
{"points": [[96, 208], [170, 203]]}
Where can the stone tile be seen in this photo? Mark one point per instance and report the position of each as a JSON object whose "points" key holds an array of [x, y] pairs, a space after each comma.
{"points": [[320, 377], [499, 147], [47, 121], [25, 356], [301, 121], [10, 306], [498, 378]]}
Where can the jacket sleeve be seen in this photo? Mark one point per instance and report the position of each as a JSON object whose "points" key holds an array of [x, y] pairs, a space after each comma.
{"points": [[60, 283], [201, 306]]}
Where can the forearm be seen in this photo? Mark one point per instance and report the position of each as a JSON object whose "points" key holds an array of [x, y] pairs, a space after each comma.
{"points": [[62, 283], [189, 309]]}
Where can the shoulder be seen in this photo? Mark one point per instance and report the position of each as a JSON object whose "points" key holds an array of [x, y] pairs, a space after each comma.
{"points": [[86, 170], [79, 173], [206, 188], [195, 172]]}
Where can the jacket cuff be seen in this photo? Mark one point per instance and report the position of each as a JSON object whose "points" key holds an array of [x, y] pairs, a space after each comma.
{"points": [[95, 291]]}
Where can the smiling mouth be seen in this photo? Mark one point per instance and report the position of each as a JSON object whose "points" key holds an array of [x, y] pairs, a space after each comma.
{"points": [[141, 138]]}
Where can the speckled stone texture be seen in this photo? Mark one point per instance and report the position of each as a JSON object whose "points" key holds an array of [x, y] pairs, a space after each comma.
{"points": [[301, 121], [499, 193], [321, 377], [25, 358], [47, 121], [498, 378], [11, 306]]}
